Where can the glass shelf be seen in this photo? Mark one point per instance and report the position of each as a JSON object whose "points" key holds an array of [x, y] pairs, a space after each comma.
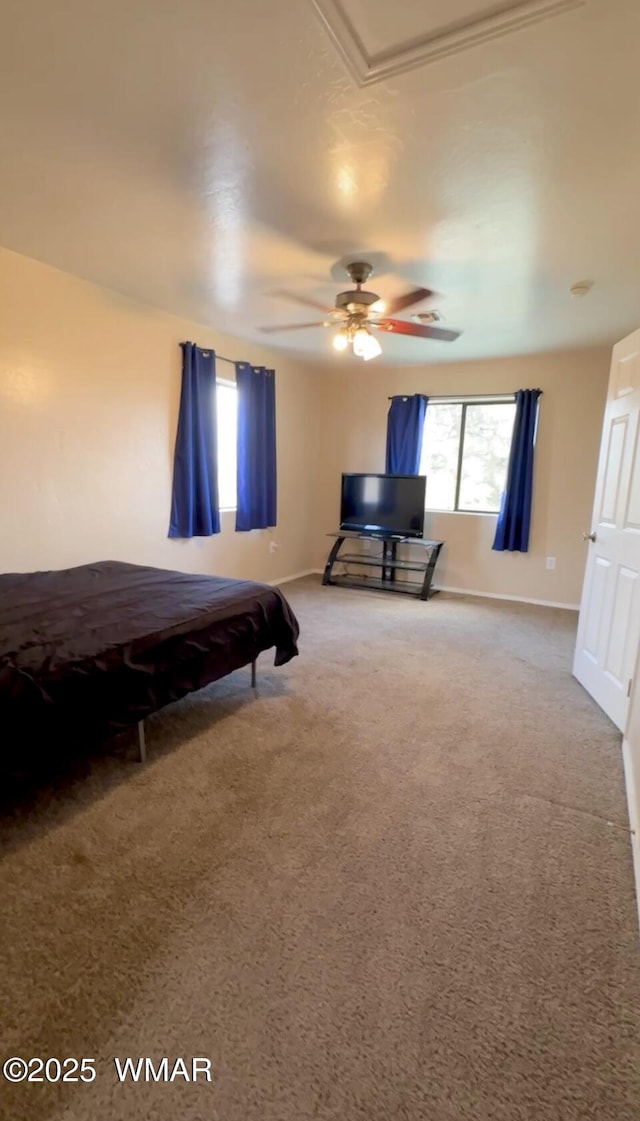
{"points": [[406, 587], [378, 562]]}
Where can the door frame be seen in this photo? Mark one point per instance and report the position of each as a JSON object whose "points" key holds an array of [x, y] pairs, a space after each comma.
{"points": [[631, 763], [631, 780]]}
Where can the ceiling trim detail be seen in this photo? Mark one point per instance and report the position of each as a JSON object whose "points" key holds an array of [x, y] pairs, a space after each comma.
{"points": [[368, 69]]}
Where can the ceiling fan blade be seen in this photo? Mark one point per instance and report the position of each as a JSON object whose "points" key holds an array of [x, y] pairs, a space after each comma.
{"points": [[393, 306], [292, 327], [418, 330], [306, 301]]}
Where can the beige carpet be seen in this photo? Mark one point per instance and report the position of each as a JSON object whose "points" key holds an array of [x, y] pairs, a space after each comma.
{"points": [[395, 884]]}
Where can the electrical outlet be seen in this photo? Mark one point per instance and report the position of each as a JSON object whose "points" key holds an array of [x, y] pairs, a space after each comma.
{"points": [[273, 546], [551, 562]]}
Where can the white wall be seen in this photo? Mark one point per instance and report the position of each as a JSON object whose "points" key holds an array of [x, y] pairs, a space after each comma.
{"points": [[89, 390]]}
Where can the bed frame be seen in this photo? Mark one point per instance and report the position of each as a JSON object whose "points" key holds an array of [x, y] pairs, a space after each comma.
{"points": [[95, 650], [142, 739]]}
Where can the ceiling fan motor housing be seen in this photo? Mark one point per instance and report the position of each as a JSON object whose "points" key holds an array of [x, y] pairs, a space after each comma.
{"points": [[355, 299]]}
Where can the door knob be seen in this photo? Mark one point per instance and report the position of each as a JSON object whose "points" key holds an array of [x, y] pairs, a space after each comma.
{"points": [[588, 537]]}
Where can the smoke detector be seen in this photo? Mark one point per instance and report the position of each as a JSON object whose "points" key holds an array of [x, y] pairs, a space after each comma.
{"points": [[581, 288]]}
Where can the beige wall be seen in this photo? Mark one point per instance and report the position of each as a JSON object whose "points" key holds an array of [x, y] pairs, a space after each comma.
{"points": [[89, 388], [571, 412]]}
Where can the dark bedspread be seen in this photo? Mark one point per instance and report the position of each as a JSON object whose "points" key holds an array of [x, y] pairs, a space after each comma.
{"points": [[97, 648]]}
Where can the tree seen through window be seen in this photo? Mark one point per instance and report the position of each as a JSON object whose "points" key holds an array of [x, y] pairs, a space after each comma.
{"points": [[465, 454]]}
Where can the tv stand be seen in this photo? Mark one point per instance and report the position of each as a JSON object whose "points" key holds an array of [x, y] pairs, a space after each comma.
{"points": [[386, 562]]}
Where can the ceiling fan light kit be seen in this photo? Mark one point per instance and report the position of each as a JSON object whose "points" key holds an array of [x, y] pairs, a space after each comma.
{"points": [[365, 345], [359, 337], [357, 311]]}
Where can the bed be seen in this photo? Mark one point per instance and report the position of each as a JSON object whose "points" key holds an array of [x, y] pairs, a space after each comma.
{"points": [[87, 652]]}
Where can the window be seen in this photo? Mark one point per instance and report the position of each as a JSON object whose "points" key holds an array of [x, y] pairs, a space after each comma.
{"points": [[227, 408], [465, 453]]}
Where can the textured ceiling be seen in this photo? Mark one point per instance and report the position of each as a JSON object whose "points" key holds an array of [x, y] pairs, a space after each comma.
{"points": [[200, 156]]}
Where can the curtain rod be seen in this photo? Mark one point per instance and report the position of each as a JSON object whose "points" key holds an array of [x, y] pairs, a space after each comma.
{"points": [[219, 357], [231, 361], [455, 397]]}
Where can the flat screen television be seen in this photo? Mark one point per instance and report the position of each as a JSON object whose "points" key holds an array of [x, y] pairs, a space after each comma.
{"points": [[389, 505]]}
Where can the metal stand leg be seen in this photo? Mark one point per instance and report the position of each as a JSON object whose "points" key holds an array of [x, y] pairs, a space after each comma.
{"points": [[394, 556], [253, 674], [426, 592], [142, 746], [331, 559]]}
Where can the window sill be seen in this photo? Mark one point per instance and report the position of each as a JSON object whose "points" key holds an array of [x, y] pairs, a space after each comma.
{"points": [[227, 509], [466, 513]]}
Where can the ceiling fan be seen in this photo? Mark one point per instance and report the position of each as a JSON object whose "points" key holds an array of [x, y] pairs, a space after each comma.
{"points": [[357, 311]]}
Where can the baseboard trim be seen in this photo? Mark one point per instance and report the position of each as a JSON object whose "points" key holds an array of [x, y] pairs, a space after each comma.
{"points": [[472, 592], [634, 816], [296, 576], [510, 599]]}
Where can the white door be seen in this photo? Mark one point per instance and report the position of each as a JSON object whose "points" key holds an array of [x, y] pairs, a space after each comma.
{"points": [[609, 626]]}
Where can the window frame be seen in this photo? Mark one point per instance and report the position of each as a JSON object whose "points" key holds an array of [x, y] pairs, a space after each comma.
{"points": [[227, 383], [465, 401]]}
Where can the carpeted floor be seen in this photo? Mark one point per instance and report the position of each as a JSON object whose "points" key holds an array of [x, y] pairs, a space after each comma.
{"points": [[397, 884]]}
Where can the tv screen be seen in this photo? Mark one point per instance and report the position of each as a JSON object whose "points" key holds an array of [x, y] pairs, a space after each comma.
{"points": [[384, 504]]}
